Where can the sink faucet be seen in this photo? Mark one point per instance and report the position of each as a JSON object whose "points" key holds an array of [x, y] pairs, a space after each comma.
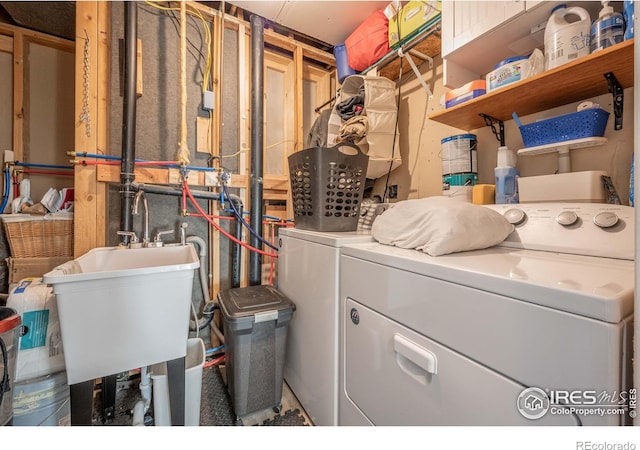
{"points": [[134, 210]]}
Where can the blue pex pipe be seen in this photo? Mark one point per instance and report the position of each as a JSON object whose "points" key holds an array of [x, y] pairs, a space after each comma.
{"points": [[42, 166]]}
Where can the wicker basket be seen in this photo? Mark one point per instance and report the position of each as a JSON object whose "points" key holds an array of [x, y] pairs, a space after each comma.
{"points": [[38, 238]]}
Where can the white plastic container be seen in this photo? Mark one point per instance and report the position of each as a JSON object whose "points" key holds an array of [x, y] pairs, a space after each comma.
{"points": [[508, 71], [573, 187], [564, 40], [122, 309], [192, 387]]}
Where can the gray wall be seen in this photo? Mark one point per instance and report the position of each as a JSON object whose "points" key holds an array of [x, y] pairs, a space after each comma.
{"points": [[158, 117]]}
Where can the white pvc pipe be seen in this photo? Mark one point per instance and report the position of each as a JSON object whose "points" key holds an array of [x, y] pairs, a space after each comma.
{"points": [[142, 406], [138, 414]]}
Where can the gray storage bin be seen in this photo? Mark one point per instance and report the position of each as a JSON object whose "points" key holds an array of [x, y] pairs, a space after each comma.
{"points": [[255, 321]]}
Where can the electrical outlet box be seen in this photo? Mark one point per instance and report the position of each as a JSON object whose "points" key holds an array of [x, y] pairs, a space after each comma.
{"points": [[207, 100], [8, 156]]}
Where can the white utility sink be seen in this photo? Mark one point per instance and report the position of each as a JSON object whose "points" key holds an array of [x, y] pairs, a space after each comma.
{"points": [[121, 308]]}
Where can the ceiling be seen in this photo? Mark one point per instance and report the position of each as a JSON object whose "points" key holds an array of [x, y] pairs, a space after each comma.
{"points": [[328, 21], [56, 18]]}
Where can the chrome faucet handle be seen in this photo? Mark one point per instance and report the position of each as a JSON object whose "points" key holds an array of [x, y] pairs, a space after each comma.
{"points": [[134, 239], [157, 240]]}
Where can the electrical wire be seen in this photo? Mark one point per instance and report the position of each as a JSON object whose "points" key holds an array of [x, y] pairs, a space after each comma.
{"points": [[244, 222], [194, 12], [247, 149], [220, 229], [4, 382], [395, 135]]}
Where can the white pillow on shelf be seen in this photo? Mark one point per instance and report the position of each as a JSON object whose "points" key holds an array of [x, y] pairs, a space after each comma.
{"points": [[440, 225]]}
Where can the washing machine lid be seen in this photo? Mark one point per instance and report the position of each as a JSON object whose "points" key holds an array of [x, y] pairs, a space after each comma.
{"points": [[600, 288], [332, 238]]}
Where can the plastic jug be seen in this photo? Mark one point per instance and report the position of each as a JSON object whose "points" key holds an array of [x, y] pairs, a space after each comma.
{"points": [[506, 177], [566, 40]]}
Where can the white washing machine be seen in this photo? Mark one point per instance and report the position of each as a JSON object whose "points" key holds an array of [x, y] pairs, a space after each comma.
{"points": [[536, 331], [308, 274]]}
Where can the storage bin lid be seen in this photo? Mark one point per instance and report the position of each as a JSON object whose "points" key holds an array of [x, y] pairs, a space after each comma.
{"points": [[248, 301], [509, 61]]}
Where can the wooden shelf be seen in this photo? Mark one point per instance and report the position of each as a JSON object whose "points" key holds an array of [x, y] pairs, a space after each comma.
{"points": [[426, 42], [572, 82]]}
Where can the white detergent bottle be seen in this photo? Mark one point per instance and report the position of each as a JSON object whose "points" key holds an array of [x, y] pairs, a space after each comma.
{"points": [[607, 29], [566, 36], [506, 177]]}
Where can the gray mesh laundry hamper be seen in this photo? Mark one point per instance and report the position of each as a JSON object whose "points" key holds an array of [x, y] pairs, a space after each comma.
{"points": [[327, 185]]}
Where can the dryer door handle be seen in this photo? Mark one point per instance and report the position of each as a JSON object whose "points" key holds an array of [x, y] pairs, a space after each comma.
{"points": [[409, 355]]}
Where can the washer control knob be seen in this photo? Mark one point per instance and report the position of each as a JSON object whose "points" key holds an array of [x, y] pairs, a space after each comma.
{"points": [[567, 218], [515, 216], [605, 219]]}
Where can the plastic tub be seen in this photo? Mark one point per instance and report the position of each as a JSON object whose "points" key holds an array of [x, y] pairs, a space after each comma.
{"points": [[121, 309], [256, 320], [43, 401], [192, 387], [508, 71]]}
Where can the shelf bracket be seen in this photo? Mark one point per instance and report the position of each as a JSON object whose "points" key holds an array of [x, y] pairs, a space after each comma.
{"points": [[618, 98], [415, 68], [491, 122]]}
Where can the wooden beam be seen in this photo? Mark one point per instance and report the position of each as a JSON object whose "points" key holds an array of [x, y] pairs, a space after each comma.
{"points": [[38, 38], [6, 44], [102, 125], [288, 43], [18, 96], [139, 88], [86, 236]]}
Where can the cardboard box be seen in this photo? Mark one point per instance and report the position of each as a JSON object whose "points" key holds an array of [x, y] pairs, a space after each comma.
{"points": [[413, 17], [20, 268]]}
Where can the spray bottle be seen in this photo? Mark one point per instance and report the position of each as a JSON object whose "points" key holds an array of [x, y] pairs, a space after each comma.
{"points": [[506, 177], [607, 29]]}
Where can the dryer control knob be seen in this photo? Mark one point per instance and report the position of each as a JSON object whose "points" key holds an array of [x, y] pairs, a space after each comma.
{"points": [[567, 218], [515, 216], [605, 219]]}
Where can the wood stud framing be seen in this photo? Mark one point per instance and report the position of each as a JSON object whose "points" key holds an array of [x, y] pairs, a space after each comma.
{"points": [[91, 181]]}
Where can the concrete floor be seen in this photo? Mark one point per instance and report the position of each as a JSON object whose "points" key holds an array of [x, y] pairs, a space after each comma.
{"points": [[215, 408]]}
